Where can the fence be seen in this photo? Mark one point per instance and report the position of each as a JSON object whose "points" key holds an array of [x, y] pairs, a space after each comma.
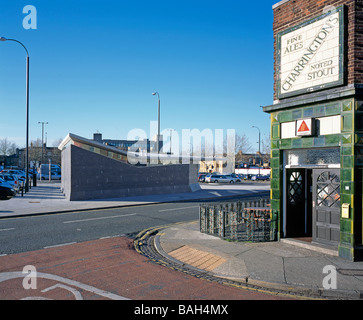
{"points": [[248, 220]]}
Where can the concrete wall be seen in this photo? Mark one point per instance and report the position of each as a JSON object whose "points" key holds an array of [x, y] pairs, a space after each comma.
{"points": [[87, 175]]}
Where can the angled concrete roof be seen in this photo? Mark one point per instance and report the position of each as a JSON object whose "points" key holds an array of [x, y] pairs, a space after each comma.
{"points": [[136, 155]]}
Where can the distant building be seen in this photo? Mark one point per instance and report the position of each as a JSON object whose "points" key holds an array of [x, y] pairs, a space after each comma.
{"points": [[144, 145], [17, 160]]}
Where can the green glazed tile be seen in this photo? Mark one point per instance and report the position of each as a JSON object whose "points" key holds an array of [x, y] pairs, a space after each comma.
{"points": [[307, 142], [286, 143], [348, 161], [332, 109], [275, 153], [275, 162], [274, 117], [332, 140], [319, 141], [347, 106], [347, 123], [346, 151], [345, 237], [308, 112], [345, 226], [275, 144], [346, 138], [275, 193], [275, 131], [319, 111], [297, 114], [275, 184], [275, 173], [296, 143], [285, 116], [346, 174]]}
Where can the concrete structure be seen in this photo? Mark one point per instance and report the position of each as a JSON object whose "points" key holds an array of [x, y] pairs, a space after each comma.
{"points": [[91, 170], [316, 123]]}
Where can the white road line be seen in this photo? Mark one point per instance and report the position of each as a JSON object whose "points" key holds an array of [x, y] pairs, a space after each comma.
{"points": [[60, 245], [9, 229], [109, 237], [175, 209], [5, 276], [100, 218]]}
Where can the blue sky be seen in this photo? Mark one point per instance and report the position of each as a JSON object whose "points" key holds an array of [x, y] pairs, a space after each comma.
{"points": [[94, 65]]}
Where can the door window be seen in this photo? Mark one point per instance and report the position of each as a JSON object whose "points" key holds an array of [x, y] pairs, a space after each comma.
{"points": [[328, 190], [295, 192]]}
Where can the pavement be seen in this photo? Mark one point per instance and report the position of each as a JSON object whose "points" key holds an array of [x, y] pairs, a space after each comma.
{"points": [[289, 266]]}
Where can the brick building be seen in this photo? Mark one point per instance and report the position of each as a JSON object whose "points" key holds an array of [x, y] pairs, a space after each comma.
{"points": [[317, 123]]}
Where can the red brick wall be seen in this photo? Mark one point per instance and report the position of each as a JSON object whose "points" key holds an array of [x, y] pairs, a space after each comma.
{"points": [[295, 12]]}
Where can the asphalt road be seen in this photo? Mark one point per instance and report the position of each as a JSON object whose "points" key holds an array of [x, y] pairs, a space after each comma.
{"points": [[37, 232]]}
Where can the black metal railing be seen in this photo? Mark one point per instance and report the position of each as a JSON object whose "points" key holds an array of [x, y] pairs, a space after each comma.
{"points": [[243, 220]]}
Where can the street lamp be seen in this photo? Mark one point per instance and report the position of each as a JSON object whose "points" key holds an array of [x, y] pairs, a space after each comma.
{"points": [[158, 137], [259, 148], [27, 112], [42, 123]]}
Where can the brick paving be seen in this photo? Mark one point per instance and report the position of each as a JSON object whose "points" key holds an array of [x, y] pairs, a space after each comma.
{"points": [[107, 269]]}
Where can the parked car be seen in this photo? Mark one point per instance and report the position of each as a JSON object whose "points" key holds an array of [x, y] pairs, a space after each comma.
{"points": [[20, 174], [260, 177], [234, 176], [208, 176], [201, 177], [45, 176], [220, 179], [6, 190], [12, 180], [243, 176]]}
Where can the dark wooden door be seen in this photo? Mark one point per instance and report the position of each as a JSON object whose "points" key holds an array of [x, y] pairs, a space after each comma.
{"points": [[326, 206]]}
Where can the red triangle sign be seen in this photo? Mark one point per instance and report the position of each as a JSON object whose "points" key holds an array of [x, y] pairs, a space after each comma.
{"points": [[303, 127]]}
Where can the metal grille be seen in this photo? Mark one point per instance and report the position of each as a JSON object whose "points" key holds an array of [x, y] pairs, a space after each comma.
{"points": [[239, 221], [295, 188], [328, 190]]}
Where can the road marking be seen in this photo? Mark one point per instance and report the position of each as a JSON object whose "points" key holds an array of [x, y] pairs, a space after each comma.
{"points": [[100, 218], [5, 276], [109, 237], [9, 229], [60, 245], [175, 209]]}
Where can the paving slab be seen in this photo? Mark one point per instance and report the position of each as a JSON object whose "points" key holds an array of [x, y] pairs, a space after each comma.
{"points": [[272, 264]]}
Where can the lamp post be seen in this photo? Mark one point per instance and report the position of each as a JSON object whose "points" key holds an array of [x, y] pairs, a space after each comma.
{"points": [[42, 123], [259, 148], [27, 113], [158, 137]]}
